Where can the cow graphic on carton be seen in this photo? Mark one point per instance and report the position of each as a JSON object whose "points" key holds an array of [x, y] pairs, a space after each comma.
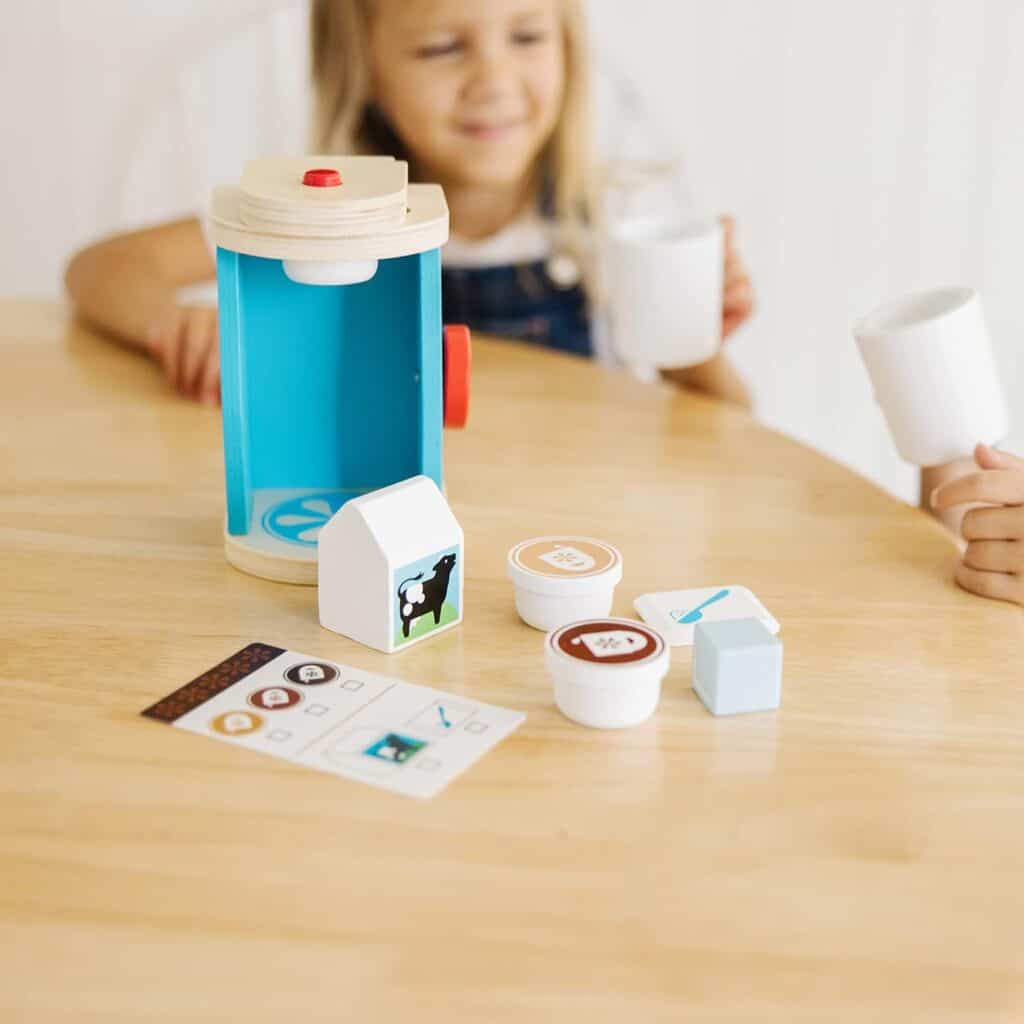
{"points": [[417, 597]]}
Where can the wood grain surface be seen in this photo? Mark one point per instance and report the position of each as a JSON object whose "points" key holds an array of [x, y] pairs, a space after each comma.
{"points": [[854, 857]]}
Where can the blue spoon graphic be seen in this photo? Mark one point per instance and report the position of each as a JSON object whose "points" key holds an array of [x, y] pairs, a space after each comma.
{"points": [[697, 613]]}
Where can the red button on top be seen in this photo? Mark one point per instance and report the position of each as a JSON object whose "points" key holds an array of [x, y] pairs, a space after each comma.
{"points": [[322, 177]]}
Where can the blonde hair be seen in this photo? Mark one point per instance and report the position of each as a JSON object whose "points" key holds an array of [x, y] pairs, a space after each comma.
{"points": [[345, 120]]}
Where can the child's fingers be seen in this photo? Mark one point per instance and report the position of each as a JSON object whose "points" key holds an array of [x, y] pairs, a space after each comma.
{"points": [[739, 295], [194, 352], [991, 458], [209, 383], [732, 259], [989, 487], [993, 523], [729, 324], [169, 349], [994, 556], [999, 586], [154, 340], [737, 306], [737, 290], [730, 321]]}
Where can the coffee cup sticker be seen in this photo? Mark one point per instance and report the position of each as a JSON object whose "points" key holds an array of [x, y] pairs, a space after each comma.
{"points": [[274, 698], [237, 723], [565, 557], [608, 643], [311, 673], [569, 558], [611, 642]]}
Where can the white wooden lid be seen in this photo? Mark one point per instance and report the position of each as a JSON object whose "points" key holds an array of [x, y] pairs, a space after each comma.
{"points": [[370, 195], [373, 213], [564, 565]]}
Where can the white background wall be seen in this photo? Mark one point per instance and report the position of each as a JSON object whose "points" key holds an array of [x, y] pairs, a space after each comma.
{"points": [[867, 149]]}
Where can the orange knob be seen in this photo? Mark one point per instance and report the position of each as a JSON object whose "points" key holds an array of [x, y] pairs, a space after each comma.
{"points": [[458, 361]]}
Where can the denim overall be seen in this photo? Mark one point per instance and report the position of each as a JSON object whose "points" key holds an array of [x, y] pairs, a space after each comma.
{"points": [[518, 301]]}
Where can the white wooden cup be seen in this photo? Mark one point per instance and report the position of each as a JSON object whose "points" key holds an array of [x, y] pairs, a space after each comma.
{"points": [[934, 375], [664, 288]]}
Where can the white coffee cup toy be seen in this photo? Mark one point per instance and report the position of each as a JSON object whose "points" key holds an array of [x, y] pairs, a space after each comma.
{"points": [[931, 366], [563, 579], [665, 286], [662, 260], [606, 672]]}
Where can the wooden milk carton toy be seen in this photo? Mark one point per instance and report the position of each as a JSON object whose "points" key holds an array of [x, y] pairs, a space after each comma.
{"points": [[391, 566], [336, 376]]}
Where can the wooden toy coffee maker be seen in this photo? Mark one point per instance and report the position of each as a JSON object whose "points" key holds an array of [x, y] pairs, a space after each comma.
{"points": [[336, 374]]}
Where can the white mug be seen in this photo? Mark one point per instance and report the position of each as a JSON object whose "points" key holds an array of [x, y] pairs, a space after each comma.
{"points": [[662, 266], [664, 287], [934, 375]]}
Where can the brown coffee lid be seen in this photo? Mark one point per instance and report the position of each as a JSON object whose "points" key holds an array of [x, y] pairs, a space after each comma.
{"points": [[608, 642]]}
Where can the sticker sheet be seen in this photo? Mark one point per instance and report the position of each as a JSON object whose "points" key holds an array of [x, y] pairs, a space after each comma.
{"points": [[359, 725]]}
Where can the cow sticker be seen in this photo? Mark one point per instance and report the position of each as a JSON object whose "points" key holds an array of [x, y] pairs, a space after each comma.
{"points": [[427, 595]]}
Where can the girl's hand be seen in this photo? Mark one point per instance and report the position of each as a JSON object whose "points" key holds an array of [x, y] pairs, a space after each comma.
{"points": [[184, 340], [993, 564], [738, 291]]}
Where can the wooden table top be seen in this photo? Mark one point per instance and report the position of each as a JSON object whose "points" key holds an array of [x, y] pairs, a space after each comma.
{"points": [[855, 856]]}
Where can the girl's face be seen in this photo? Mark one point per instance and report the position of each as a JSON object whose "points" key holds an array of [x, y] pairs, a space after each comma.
{"points": [[472, 87]]}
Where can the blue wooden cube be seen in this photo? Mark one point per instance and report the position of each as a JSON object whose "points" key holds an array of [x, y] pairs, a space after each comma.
{"points": [[737, 666]]}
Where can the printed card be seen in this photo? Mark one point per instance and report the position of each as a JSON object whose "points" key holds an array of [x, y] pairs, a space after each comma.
{"points": [[359, 725]]}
